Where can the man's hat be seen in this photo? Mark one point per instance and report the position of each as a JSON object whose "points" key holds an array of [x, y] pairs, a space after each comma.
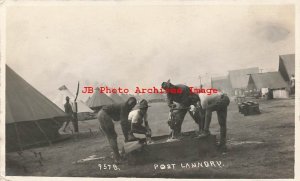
{"points": [[143, 104], [67, 98], [166, 84]]}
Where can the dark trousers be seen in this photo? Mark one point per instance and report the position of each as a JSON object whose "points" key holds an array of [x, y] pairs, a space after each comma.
{"points": [[220, 106], [139, 129], [198, 117], [222, 119], [107, 126], [125, 125], [177, 117]]}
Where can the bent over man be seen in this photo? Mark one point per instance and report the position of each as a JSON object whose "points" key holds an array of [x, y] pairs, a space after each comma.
{"points": [[185, 98], [116, 112], [218, 103]]}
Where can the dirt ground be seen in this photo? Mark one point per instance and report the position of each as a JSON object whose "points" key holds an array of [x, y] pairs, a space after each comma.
{"points": [[259, 146]]}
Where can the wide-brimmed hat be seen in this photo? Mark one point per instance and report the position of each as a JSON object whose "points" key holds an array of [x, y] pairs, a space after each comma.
{"points": [[142, 104]]}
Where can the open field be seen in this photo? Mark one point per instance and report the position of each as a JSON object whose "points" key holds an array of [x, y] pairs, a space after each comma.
{"points": [[260, 146]]}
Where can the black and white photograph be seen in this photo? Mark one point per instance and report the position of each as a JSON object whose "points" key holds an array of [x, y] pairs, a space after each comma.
{"points": [[175, 89]]}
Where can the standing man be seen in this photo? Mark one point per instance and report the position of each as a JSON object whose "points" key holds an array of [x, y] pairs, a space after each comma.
{"points": [[218, 103], [185, 98], [116, 112], [137, 118], [69, 111]]}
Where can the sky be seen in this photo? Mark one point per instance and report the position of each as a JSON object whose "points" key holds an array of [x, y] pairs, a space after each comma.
{"points": [[128, 46]]}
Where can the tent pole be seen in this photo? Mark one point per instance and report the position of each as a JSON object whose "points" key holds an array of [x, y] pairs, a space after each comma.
{"points": [[43, 132], [18, 136]]}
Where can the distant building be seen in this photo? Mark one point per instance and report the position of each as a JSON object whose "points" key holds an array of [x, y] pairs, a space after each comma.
{"points": [[287, 66], [238, 79], [221, 83], [271, 83], [287, 70]]}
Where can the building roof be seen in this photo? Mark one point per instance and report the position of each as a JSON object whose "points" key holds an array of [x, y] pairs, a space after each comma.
{"points": [[272, 80], [288, 61], [239, 78], [25, 103]]}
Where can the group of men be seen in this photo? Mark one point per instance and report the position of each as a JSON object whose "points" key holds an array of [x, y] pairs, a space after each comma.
{"points": [[200, 108], [132, 120]]}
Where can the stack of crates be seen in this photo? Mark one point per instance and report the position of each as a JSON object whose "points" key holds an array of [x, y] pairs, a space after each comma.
{"points": [[249, 108]]}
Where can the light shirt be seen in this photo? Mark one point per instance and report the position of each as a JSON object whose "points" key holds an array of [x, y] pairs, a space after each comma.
{"points": [[209, 99], [136, 116]]}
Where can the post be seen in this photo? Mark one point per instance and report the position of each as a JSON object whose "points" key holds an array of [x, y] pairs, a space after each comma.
{"points": [[76, 129], [76, 119], [200, 81]]}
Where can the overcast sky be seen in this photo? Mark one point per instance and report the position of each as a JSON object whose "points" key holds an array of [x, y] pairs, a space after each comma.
{"points": [[142, 46]]}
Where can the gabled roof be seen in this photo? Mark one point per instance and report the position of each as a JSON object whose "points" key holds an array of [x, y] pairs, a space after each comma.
{"points": [[116, 98], [99, 99], [239, 78], [124, 96], [288, 61], [272, 80], [25, 103]]}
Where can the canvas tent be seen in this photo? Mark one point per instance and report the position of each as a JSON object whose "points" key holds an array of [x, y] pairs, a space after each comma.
{"points": [[87, 101], [272, 81], [116, 98], [154, 97], [238, 79], [287, 66], [61, 100], [31, 118], [82, 109], [98, 100], [124, 96]]}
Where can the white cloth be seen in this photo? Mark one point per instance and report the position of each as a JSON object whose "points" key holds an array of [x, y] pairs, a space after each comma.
{"points": [[209, 99], [135, 116], [264, 91]]}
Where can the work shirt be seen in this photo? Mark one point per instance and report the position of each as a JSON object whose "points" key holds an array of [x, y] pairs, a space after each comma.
{"points": [[185, 98], [68, 109], [117, 111], [137, 117], [208, 101]]}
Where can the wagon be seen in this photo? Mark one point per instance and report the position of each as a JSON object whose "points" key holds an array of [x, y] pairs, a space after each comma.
{"points": [[248, 108]]}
